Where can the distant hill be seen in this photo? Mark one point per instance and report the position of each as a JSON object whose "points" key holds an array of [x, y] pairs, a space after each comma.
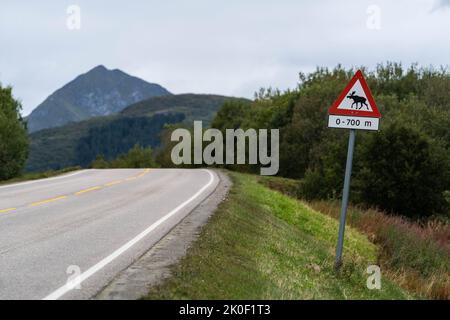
{"points": [[98, 92], [193, 106], [79, 143]]}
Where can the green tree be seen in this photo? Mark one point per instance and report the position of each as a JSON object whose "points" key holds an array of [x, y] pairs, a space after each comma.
{"points": [[415, 99], [231, 115], [13, 136], [403, 171]]}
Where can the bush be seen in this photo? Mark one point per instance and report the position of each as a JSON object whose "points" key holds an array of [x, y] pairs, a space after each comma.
{"points": [[100, 162], [136, 157], [401, 171], [13, 136]]}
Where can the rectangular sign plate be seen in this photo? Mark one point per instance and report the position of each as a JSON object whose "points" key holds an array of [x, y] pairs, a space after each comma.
{"points": [[350, 122]]}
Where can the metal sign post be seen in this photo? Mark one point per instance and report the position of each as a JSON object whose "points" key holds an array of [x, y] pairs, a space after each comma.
{"points": [[354, 109], [345, 194]]}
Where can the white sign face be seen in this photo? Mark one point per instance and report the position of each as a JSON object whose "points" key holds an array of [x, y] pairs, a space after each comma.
{"points": [[350, 122], [356, 99]]}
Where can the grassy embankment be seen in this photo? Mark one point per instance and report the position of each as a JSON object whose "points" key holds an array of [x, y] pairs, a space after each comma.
{"points": [[262, 244], [415, 254]]}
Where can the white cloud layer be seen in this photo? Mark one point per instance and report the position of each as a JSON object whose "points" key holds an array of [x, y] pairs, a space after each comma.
{"points": [[209, 46]]}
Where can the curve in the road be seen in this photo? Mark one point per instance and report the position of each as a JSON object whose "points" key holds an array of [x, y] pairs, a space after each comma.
{"points": [[101, 264], [99, 221]]}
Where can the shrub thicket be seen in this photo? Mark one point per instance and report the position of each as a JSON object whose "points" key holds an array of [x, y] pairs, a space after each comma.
{"points": [[404, 168], [136, 157]]}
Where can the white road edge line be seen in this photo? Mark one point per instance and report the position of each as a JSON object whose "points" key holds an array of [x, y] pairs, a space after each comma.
{"points": [[100, 265], [19, 184]]}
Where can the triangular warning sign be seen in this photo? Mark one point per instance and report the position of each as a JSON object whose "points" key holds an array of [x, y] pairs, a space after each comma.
{"points": [[356, 100]]}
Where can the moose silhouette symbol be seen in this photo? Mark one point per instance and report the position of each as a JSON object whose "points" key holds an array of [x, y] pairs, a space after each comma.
{"points": [[357, 100]]}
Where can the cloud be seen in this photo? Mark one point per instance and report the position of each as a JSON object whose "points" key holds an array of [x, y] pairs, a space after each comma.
{"points": [[441, 4], [202, 46]]}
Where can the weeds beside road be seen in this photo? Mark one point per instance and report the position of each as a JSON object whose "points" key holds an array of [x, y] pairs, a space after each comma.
{"points": [[416, 255]]}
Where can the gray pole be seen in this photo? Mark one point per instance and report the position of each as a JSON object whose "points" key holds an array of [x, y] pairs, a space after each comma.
{"points": [[345, 192]]}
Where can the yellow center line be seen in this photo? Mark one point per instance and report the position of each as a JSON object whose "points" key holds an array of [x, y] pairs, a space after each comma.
{"points": [[143, 173], [112, 183], [139, 175], [47, 201], [87, 190], [79, 192]]}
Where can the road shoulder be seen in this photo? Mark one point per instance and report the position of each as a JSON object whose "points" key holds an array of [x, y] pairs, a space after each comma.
{"points": [[154, 266]]}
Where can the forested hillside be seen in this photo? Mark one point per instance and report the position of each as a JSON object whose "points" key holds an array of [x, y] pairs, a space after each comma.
{"points": [[119, 136], [79, 143], [404, 168]]}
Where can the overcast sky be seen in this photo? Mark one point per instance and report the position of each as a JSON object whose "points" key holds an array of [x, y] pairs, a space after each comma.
{"points": [[230, 47]]}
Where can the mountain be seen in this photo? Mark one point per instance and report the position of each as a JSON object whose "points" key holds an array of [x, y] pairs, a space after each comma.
{"points": [[79, 143], [98, 92]]}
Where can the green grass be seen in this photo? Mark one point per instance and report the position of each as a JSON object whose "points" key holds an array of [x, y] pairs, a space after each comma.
{"points": [[261, 244], [415, 254], [38, 175]]}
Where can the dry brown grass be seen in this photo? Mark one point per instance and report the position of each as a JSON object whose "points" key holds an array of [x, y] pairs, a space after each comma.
{"points": [[416, 255]]}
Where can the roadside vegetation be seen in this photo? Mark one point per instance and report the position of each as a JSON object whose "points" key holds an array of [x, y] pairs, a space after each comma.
{"points": [[136, 157], [416, 255], [261, 244], [404, 169]]}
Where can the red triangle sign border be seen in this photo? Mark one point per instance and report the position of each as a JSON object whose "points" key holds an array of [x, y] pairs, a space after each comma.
{"points": [[375, 113]]}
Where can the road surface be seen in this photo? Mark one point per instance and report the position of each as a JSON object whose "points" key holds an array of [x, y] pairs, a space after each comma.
{"points": [[66, 237]]}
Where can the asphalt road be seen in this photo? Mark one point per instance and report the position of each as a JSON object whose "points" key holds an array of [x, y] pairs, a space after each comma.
{"points": [[67, 237]]}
